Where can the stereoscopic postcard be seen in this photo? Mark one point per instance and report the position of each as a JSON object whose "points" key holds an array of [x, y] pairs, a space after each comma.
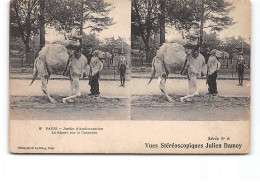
{"points": [[130, 76]]}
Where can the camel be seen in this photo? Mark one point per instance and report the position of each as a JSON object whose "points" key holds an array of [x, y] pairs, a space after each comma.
{"points": [[52, 59], [108, 58], [169, 59]]}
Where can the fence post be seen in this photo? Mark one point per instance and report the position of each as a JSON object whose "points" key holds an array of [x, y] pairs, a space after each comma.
{"points": [[114, 72]]}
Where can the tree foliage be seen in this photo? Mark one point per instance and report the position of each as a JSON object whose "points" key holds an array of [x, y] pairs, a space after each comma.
{"points": [[90, 40], [145, 19], [145, 23], [63, 13], [232, 44], [211, 40], [24, 20], [212, 15], [28, 18]]}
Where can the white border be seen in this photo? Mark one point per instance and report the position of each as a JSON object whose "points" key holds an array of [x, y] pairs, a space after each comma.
{"points": [[130, 169]]}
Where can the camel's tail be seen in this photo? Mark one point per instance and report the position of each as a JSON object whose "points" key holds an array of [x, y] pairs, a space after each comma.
{"points": [[152, 72], [42, 55], [35, 72]]}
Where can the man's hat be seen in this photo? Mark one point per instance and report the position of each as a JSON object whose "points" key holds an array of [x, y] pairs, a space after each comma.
{"points": [[219, 54], [195, 23], [213, 52], [77, 23]]}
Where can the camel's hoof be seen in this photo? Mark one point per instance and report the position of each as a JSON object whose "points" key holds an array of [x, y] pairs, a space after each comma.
{"points": [[71, 101], [64, 101], [53, 101], [197, 94], [182, 99], [170, 100], [188, 100]]}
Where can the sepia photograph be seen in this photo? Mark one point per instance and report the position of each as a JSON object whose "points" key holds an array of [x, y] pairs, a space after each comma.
{"points": [[130, 76], [190, 60], [130, 91], [70, 59]]}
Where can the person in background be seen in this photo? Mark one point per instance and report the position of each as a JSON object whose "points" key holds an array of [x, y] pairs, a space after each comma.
{"points": [[206, 54], [95, 67], [213, 67], [122, 70], [240, 67], [89, 55], [113, 56]]}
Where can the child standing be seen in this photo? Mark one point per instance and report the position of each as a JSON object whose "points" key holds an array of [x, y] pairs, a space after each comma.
{"points": [[213, 66], [122, 70], [95, 67], [240, 69]]}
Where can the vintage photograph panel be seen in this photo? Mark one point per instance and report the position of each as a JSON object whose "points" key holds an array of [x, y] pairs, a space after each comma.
{"points": [[70, 59], [190, 60]]}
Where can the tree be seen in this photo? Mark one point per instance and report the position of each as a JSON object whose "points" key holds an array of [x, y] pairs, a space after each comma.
{"points": [[211, 14], [234, 45], [24, 21], [214, 15], [162, 21], [211, 40], [63, 13], [119, 44], [231, 44], [90, 40], [144, 22], [42, 23]]}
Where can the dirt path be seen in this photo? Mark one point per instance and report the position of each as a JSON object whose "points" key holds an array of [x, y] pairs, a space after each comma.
{"points": [[201, 108], [84, 108]]}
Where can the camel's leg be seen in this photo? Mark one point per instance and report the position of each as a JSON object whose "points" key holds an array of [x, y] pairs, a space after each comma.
{"points": [[44, 73], [44, 89], [193, 88], [71, 100], [162, 81], [75, 92], [187, 97]]}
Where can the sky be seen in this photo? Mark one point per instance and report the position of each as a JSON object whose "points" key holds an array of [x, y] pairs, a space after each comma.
{"points": [[122, 16], [241, 15]]}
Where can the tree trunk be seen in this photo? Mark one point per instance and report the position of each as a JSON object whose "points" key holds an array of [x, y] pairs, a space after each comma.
{"points": [[81, 20], [227, 63], [27, 53], [42, 23], [148, 58], [162, 22], [202, 22]]}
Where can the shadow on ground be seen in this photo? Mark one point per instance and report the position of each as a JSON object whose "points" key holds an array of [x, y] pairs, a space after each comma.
{"points": [[84, 108], [80, 102], [201, 101], [201, 108]]}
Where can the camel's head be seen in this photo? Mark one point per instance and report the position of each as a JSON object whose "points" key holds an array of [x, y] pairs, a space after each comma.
{"points": [[101, 55], [219, 54]]}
